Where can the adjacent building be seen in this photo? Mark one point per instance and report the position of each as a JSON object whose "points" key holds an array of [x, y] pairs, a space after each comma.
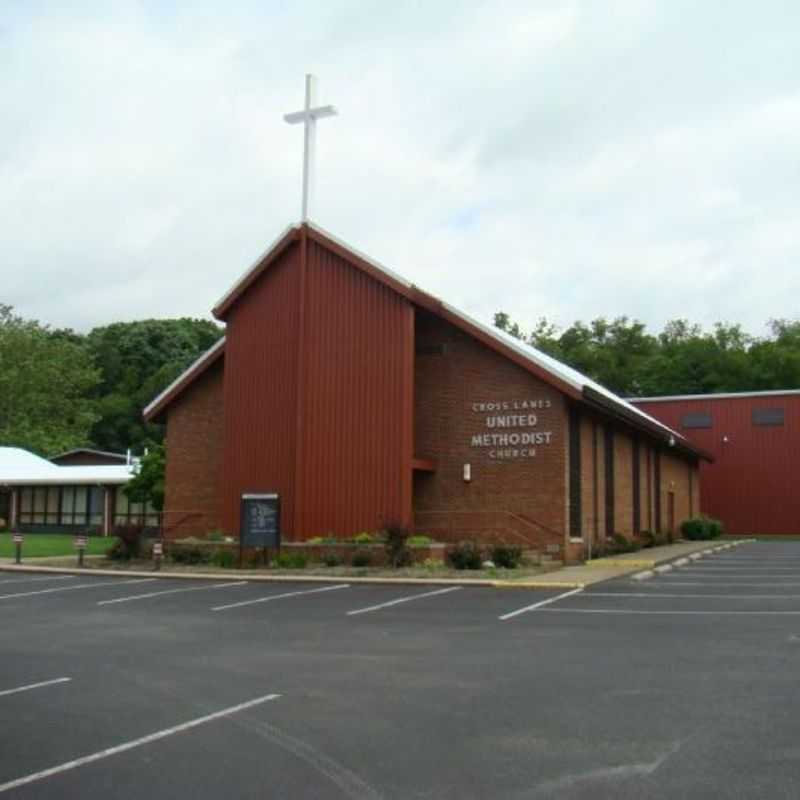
{"points": [[363, 401], [754, 438]]}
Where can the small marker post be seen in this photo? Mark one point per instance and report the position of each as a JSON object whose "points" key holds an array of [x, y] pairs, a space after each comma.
{"points": [[158, 552], [18, 548], [80, 546]]}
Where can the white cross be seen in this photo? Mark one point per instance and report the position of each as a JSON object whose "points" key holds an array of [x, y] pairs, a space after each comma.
{"points": [[309, 116]]}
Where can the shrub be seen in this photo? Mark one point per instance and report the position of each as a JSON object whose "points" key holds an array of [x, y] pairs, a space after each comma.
{"points": [[701, 528], [190, 554], [465, 555], [130, 539], [397, 552], [216, 536], [331, 560], [506, 556], [361, 558], [364, 538], [224, 558], [290, 561], [315, 540], [620, 544], [647, 538], [419, 541]]}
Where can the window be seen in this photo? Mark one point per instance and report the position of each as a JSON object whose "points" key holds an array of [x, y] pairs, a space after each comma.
{"points": [[767, 416], [696, 419], [128, 512], [61, 505]]}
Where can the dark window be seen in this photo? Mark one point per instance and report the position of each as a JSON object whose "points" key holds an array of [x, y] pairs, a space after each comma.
{"points": [[608, 457], [61, 505], [767, 416], [696, 419], [574, 473]]}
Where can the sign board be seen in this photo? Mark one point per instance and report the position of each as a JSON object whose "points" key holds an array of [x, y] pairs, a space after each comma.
{"points": [[158, 549], [80, 542], [17, 538], [260, 521]]}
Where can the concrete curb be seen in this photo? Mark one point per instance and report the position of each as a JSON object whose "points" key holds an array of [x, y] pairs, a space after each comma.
{"points": [[663, 568], [486, 583], [647, 563], [643, 576]]}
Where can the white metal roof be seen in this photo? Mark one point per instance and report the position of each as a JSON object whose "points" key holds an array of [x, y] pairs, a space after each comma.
{"points": [[19, 467], [715, 396]]}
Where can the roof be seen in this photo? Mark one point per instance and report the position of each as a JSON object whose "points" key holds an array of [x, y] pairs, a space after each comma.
{"points": [[714, 396], [19, 467], [106, 453], [566, 379]]}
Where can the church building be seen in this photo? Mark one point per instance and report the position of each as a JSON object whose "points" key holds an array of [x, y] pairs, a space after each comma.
{"points": [[363, 401]]}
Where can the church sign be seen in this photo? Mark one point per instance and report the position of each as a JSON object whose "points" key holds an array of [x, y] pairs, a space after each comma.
{"points": [[510, 428], [260, 521]]}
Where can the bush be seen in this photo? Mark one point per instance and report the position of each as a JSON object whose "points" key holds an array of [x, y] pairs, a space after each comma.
{"points": [[620, 544], [419, 541], [647, 538], [216, 536], [506, 556], [331, 560], [190, 554], [315, 540], [465, 555], [364, 538], [130, 539], [701, 528], [361, 558], [290, 561], [397, 552], [224, 558]]}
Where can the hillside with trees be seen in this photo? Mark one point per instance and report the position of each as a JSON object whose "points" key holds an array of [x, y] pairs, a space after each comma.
{"points": [[682, 358]]}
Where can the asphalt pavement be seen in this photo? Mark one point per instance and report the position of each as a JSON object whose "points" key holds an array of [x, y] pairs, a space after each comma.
{"points": [[681, 686]]}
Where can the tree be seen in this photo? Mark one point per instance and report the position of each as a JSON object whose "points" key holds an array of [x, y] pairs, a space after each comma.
{"points": [[147, 484], [137, 360], [46, 378]]}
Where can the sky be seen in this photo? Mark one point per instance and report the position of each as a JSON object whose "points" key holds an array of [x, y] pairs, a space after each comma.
{"points": [[549, 158]]}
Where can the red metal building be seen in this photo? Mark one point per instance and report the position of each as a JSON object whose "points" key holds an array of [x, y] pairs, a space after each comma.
{"points": [[754, 437], [362, 401]]}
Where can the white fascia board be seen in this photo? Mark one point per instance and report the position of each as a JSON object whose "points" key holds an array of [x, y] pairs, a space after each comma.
{"points": [[714, 396]]}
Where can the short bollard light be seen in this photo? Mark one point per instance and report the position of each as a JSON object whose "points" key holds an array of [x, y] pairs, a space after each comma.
{"points": [[18, 547], [158, 552], [80, 546]]}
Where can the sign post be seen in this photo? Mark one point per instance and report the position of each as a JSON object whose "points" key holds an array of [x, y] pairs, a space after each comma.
{"points": [[80, 546], [260, 525], [158, 552], [18, 547]]}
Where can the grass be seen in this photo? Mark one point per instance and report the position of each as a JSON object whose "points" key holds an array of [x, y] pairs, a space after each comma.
{"points": [[40, 545]]}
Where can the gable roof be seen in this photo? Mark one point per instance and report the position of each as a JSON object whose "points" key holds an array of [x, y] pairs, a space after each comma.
{"points": [[19, 467], [564, 378], [91, 451]]}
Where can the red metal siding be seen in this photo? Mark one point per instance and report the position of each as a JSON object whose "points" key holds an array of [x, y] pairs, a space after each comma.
{"points": [[354, 454], [751, 486], [261, 390]]}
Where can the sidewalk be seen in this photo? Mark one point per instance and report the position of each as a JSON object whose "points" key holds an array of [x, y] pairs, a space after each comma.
{"points": [[576, 577]]}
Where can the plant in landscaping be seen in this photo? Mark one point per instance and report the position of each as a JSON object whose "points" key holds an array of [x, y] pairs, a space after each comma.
{"points": [[465, 555], [224, 558], [397, 552], [315, 540], [290, 561], [364, 538], [190, 554], [129, 543], [216, 536], [701, 528], [506, 556], [419, 541], [332, 560], [361, 558]]}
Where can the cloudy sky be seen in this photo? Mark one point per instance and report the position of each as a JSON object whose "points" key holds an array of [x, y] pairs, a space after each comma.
{"points": [[556, 158]]}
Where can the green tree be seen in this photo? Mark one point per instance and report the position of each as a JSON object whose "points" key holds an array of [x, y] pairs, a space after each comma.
{"points": [[138, 360], [46, 378], [147, 485]]}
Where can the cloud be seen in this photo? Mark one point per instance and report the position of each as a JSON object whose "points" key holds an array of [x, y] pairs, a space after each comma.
{"points": [[559, 159]]}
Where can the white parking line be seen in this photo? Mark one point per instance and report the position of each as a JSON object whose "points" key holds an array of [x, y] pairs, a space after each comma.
{"points": [[45, 578], [73, 588], [716, 596], [711, 574], [33, 686], [132, 597], [270, 597], [720, 583], [121, 748], [402, 600], [538, 605], [642, 612]]}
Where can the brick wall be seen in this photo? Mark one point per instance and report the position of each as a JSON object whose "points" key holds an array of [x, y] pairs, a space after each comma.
{"points": [[518, 492], [194, 455]]}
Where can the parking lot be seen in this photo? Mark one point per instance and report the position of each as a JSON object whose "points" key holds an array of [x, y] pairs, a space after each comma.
{"points": [[684, 685]]}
